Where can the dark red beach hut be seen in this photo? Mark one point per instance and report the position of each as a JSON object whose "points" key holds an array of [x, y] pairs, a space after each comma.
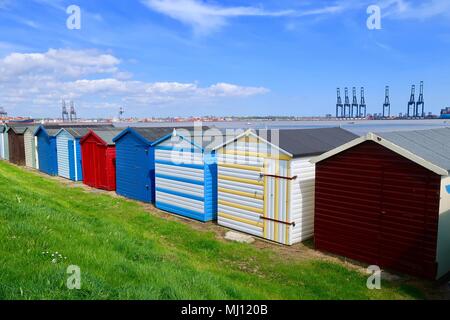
{"points": [[98, 154], [384, 199]]}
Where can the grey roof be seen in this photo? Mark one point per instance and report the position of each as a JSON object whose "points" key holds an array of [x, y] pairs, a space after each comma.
{"points": [[82, 130], [2, 128], [208, 137], [432, 145], [18, 129], [107, 135], [307, 142], [51, 132], [153, 133]]}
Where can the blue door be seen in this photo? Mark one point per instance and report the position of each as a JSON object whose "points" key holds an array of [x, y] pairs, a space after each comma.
{"points": [[134, 169], [145, 173], [71, 154], [47, 154]]}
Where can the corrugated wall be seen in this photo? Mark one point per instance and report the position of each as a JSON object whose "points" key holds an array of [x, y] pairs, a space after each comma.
{"points": [[16, 148], [30, 155], [78, 161], [2, 146], [302, 199], [98, 163], [443, 250], [375, 206], [185, 180], [47, 154], [62, 147], [254, 190], [179, 181], [6, 145], [241, 193], [88, 152]]}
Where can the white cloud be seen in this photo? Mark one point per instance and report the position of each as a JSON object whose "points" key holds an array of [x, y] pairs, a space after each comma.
{"points": [[58, 63], [39, 80], [406, 9], [206, 18]]}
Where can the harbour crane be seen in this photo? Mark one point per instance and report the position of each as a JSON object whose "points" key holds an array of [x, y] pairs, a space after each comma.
{"points": [[339, 105], [72, 114], [420, 103], [362, 106], [347, 105], [412, 103], [387, 103], [355, 105], [65, 114]]}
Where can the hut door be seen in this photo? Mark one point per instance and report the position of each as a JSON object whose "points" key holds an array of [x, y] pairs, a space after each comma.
{"points": [[276, 219], [408, 213], [101, 167], [141, 165], [71, 155], [241, 193]]}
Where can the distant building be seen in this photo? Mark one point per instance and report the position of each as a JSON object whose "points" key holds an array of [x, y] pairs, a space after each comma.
{"points": [[445, 113]]}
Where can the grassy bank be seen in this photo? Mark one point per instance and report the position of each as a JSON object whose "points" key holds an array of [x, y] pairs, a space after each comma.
{"points": [[125, 252]]}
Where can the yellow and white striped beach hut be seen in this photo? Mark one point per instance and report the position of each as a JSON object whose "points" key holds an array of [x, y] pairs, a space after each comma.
{"points": [[266, 182]]}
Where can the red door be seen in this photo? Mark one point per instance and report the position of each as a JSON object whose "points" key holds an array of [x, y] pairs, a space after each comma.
{"points": [[101, 170], [88, 156], [409, 217]]}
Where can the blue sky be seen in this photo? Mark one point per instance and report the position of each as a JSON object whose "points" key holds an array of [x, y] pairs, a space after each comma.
{"points": [[196, 57]]}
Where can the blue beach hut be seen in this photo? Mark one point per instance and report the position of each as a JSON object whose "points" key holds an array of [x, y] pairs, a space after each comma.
{"points": [[135, 162], [68, 151], [46, 149], [186, 174]]}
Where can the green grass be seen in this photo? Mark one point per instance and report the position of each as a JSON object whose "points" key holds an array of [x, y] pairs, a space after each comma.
{"points": [[125, 252]]}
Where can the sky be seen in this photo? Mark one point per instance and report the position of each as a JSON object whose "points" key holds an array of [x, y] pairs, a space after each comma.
{"points": [[158, 58]]}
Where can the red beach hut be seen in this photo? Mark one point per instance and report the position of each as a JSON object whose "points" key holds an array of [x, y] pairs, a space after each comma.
{"points": [[98, 154]]}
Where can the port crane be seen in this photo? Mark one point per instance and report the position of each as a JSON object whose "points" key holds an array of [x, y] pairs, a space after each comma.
{"points": [[387, 103], [355, 105], [412, 103], [65, 114], [362, 106], [72, 114], [420, 103], [347, 105], [339, 105]]}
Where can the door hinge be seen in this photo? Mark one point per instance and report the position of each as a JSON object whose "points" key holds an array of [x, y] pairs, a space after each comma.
{"points": [[279, 221], [276, 176]]}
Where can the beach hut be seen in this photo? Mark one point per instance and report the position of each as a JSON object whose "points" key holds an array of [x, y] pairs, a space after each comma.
{"points": [[46, 149], [186, 174], [30, 143], [2, 141], [68, 150], [16, 144], [266, 182], [384, 199], [135, 162], [98, 154]]}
